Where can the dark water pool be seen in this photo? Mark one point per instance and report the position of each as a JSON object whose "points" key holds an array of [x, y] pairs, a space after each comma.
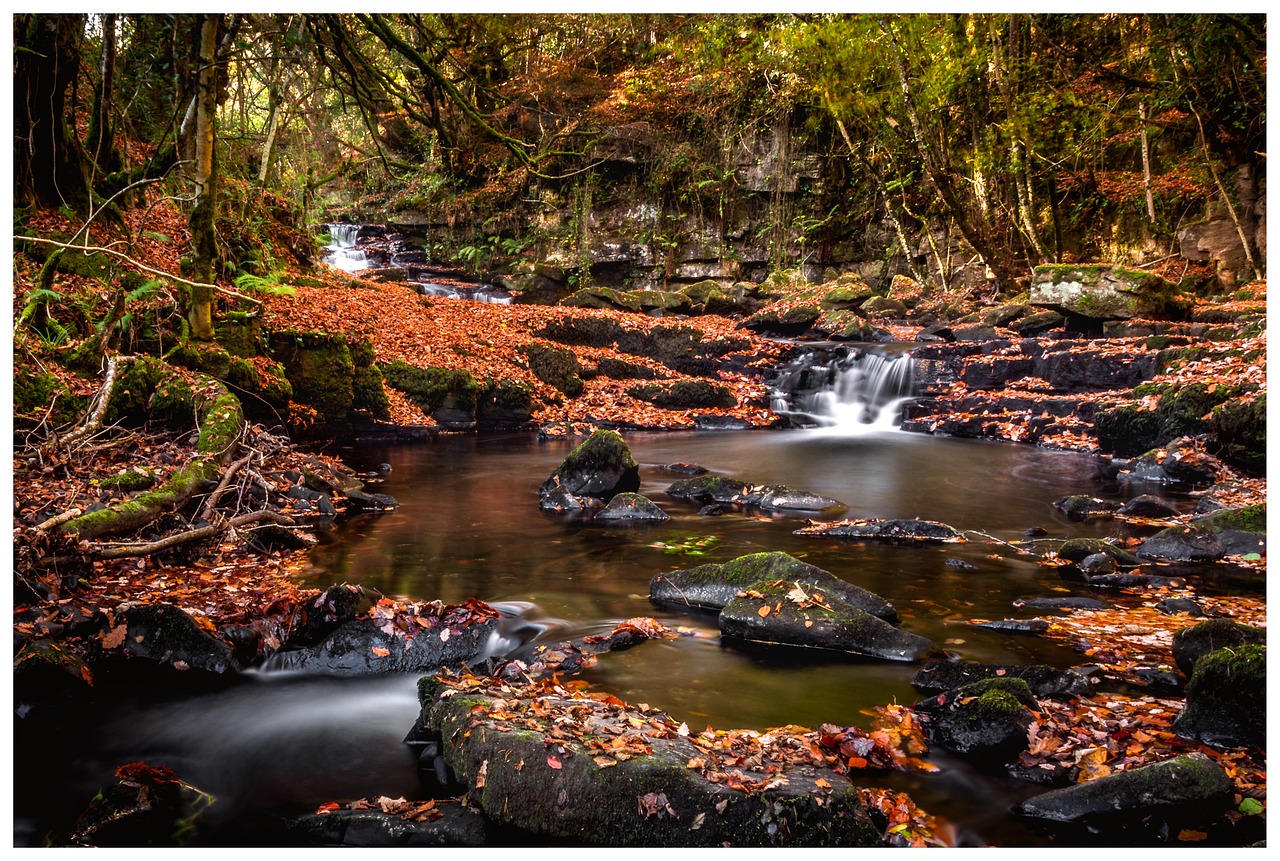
{"points": [[468, 524]]}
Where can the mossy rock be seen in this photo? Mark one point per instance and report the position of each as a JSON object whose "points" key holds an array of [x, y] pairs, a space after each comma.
{"points": [[661, 300], [555, 366], [1240, 429], [772, 612], [262, 384], [368, 393], [209, 359], [1193, 643], [603, 297], [685, 395], [1078, 549], [618, 369], [503, 404], [362, 353], [450, 393], [884, 306], [986, 720], [1105, 292], [241, 334], [601, 466], [1085, 507], [648, 796], [319, 369], [1227, 699], [792, 320], [34, 392]]}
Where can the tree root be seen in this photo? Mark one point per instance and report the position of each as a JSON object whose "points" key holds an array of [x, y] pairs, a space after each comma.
{"points": [[95, 552]]}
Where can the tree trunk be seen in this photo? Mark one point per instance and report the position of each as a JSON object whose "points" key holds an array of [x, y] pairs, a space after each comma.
{"points": [[100, 140], [203, 241], [49, 165]]}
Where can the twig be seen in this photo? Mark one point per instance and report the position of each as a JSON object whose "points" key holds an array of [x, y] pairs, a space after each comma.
{"points": [[95, 249], [59, 518], [1021, 550], [94, 421], [207, 511]]}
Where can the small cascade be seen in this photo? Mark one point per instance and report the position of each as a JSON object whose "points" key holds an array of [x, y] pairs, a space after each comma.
{"points": [[845, 391], [343, 253]]}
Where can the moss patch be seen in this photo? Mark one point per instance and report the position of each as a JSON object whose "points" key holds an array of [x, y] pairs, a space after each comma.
{"points": [[555, 366]]}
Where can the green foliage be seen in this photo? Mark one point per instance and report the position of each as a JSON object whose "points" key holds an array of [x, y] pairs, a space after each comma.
{"points": [[687, 545], [269, 284]]}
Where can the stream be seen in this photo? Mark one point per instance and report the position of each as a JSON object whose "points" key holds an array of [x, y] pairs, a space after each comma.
{"points": [[468, 525]]}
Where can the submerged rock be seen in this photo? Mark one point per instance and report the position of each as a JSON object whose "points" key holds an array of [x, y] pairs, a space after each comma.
{"points": [[618, 775], [712, 586], [1227, 699], [1061, 603], [1085, 507], [884, 530], [1147, 505], [1169, 788], [1045, 682], [786, 614], [631, 508], [1079, 549], [601, 466]]}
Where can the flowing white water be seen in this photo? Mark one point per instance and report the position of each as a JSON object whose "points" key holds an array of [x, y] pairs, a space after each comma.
{"points": [[343, 253], [855, 394]]}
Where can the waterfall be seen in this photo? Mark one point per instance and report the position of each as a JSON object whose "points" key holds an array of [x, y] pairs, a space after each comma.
{"points": [[343, 253], [845, 391]]}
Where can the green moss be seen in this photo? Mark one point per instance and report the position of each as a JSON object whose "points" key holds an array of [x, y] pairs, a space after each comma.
{"points": [[208, 359], [241, 334], [619, 370], [173, 402], [1076, 549], [432, 388], [220, 425], [129, 480], [603, 297], [684, 395], [135, 383], [368, 393], [1251, 518], [362, 354], [319, 368], [555, 366]]}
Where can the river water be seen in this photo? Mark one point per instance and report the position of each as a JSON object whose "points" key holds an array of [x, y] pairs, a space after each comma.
{"points": [[468, 525]]}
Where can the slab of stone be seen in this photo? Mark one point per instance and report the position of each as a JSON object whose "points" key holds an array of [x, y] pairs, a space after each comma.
{"points": [[1102, 292], [895, 531]]}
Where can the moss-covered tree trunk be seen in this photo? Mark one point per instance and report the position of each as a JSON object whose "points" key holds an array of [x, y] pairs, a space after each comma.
{"points": [[203, 242]]}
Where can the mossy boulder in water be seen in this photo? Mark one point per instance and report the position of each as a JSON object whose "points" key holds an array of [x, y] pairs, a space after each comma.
{"points": [[1193, 643], [1170, 788], [723, 490], [985, 721], [1227, 699], [618, 775], [785, 613], [1045, 682], [894, 531], [712, 586], [1078, 549], [601, 467], [1085, 507]]}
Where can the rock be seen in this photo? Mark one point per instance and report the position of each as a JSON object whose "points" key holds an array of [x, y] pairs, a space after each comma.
{"points": [[1102, 292], [457, 826], [366, 647], [705, 489], [712, 586], [1174, 606], [782, 613], [1045, 682], [361, 501], [1183, 544], [1193, 643], [1097, 565], [1078, 549], [1241, 530], [601, 466], [986, 721], [961, 564], [1227, 699], [1085, 507], [165, 635], [631, 508], [1061, 603], [1147, 506], [147, 806], [1179, 461], [884, 530], [1015, 626], [1167, 788], [1037, 324], [626, 779]]}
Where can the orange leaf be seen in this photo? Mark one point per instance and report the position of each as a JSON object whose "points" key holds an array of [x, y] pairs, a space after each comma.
{"points": [[381, 652], [1190, 836], [113, 639], [328, 807], [554, 762], [764, 611]]}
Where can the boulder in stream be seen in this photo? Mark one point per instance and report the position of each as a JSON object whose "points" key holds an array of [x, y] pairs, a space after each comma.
{"points": [[567, 764], [631, 508], [709, 489], [906, 531], [1227, 699], [600, 467], [1194, 642], [1046, 682], [1172, 788], [712, 586], [162, 635], [985, 721], [787, 614], [445, 823]]}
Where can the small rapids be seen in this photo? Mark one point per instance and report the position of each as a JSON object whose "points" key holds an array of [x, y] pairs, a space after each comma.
{"points": [[843, 391], [343, 253]]}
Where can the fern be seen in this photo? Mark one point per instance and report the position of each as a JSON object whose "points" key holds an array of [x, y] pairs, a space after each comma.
{"points": [[143, 291], [267, 284]]}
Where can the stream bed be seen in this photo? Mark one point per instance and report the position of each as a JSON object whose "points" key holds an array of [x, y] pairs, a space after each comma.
{"points": [[468, 525]]}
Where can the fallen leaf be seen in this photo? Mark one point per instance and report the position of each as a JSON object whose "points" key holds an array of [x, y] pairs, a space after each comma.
{"points": [[554, 762]]}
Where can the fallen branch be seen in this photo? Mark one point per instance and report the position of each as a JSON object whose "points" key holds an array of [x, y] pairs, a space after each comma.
{"points": [[99, 408], [59, 518], [97, 249], [206, 512], [120, 551]]}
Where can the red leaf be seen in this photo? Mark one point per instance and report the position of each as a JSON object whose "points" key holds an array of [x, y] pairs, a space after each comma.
{"points": [[553, 762]]}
